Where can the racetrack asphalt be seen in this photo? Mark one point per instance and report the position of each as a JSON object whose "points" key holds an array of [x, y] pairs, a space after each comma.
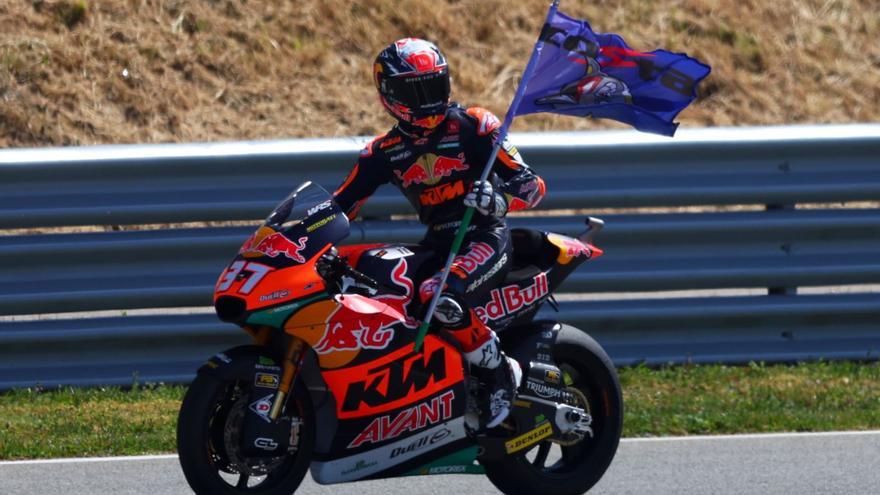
{"points": [[797, 463]]}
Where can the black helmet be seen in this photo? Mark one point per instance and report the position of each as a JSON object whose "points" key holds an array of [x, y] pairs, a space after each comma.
{"points": [[413, 82]]}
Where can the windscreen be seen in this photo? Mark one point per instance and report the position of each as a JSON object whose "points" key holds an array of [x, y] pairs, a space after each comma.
{"points": [[299, 227]]}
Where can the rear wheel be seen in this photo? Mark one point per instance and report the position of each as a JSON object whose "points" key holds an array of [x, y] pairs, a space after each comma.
{"points": [[208, 440], [572, 465]]}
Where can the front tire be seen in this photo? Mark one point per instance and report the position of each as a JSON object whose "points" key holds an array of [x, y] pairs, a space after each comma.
{"points": [[580, 465], [211, 414]]}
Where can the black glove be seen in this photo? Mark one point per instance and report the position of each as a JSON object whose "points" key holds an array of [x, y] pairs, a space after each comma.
{"points": [[484, 198]]}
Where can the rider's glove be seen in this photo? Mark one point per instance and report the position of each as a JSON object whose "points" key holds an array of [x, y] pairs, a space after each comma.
{"points": [[484, 198]]}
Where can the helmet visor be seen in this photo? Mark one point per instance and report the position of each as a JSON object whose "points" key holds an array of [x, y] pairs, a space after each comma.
{"points": [[422, 94]]}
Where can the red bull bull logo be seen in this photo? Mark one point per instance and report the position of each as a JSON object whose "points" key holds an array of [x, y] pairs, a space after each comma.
{"points": [[569, 248], [274, 245], [349, 330], [430, 168]]}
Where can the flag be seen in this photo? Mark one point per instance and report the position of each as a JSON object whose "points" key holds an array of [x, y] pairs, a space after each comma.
{"points": [[586, 74]]}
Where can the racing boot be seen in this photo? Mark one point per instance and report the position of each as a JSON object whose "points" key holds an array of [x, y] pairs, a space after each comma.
{"points": [[499, 375], [499, 379]]}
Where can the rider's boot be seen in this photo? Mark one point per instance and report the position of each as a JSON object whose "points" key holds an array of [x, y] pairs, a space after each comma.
{"points": [[499, 375]]}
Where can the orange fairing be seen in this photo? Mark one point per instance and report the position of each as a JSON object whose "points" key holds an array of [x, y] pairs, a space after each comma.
{"points": [[395, 380], [261, 285], [570, 248]]}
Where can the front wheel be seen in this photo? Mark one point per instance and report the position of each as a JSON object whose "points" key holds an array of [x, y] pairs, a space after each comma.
{"points": [[571, 467], [208, 439]]}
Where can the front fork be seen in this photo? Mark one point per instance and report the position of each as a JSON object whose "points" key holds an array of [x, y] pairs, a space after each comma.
{"points": [[289, 368]]}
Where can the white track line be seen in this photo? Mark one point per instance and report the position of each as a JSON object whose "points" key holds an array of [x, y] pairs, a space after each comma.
{"points": [[748, 436], [91, 459]]}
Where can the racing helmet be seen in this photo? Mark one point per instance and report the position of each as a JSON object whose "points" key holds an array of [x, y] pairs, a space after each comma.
{"points": [[412, 78]]}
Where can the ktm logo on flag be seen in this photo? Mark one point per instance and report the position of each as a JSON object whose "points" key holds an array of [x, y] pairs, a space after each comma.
{"points": [[442, 193]]}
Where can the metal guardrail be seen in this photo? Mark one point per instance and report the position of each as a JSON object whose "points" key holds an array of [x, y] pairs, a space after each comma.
{"points": [[779, 249]]}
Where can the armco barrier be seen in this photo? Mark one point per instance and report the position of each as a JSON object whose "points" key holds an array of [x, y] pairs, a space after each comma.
{"points": [[779, 248]]}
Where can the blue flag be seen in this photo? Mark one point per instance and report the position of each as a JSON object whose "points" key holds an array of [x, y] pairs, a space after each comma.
{"points": [[587, 74]]}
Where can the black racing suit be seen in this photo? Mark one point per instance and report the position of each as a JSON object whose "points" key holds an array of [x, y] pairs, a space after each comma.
{"points": [[434, 173]]}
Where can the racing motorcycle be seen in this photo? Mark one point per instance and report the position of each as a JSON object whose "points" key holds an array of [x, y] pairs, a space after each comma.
{"points": [[334, 384]]}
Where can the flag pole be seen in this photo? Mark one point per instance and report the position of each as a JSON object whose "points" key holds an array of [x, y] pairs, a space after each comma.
{"points": [[496, 146]]}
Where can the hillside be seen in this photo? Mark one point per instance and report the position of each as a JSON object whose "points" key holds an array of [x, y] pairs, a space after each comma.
{"points": [[123, 71]]}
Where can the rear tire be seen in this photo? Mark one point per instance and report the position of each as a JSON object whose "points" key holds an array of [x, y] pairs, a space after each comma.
{"points": [[582, 464], [211, 466]]}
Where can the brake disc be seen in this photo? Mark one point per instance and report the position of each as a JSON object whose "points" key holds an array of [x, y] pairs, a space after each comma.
{"points": [[251, 466]]}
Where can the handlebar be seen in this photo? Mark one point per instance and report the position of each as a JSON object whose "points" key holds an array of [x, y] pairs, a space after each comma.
{"points": [[331, 267], [361, 277]]}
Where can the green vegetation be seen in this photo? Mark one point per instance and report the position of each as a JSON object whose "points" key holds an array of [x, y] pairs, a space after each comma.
{"points": [[211, 70], [88, 422], [756, 398], [669, 401]]}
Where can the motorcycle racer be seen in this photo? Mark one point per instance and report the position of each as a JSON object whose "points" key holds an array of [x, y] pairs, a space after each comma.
{"points": [[435, 154]]}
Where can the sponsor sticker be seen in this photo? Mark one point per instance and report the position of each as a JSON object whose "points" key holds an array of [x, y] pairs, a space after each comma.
{"points": [[510, 299], [372, 333], [486, 276], [400, 156], [429, 169], [266, 380], [265, 444], [389, 142], [392, 253], [447, 469], [359, 466], [543, 390], [274, 245], [442, 193], [318, 207], [529, 438], [552, 376], [414, 418], [477, 254], [424, 441], [278, 294], [569, 248], [320, 223], [262, 407]]}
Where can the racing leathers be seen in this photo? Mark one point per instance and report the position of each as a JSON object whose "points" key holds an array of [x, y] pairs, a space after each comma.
{"points": [[435, 172]]}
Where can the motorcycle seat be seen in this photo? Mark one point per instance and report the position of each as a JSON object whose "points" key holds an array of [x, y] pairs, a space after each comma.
{"points": [[532, 254]]}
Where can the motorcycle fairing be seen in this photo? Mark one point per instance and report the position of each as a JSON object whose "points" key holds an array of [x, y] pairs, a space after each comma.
{"points": [[397, 379], [460, 462], [381, 459], [394, 412], [275, 265]]}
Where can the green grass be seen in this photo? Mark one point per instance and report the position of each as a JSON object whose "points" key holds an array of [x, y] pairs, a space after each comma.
{"points": [[88, 422], [692, 400], [683, 400]]}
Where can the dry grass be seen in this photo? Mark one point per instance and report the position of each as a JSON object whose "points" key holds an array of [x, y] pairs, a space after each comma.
{"points": [[121, 71]]}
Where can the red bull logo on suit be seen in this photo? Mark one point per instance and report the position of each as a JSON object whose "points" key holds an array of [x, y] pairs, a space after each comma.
{"points": [[430, 168]]}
